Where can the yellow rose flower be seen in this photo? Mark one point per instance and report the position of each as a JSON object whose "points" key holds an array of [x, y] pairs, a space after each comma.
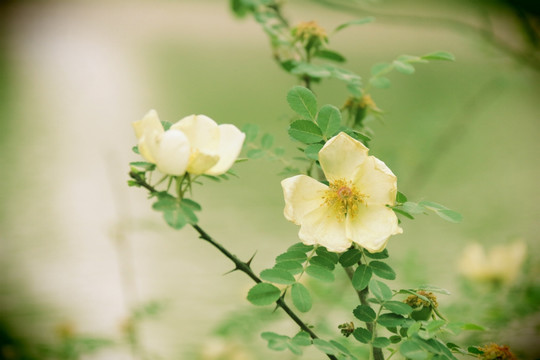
{"points": [[214, 148], [169, 150], [501, 263], [195, 144], [353, 208]]}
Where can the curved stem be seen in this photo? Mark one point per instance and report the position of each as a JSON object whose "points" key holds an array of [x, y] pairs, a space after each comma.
{"points": [[362, 296]]}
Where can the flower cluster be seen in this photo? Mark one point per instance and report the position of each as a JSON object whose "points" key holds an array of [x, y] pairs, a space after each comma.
{"points": [[352, 208], [195, 144]]}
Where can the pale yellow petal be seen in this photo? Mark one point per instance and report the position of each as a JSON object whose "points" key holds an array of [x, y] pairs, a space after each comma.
{"points": [[322, 228], [202, 132], [341, 157], [200, 162], [474, 263], [302, 195], [372, 226], [172, 152], [149, 123], [375, 180], [230, 144]]}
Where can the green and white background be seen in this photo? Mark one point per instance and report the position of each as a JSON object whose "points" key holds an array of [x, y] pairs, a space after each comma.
{"points": [[78, 247]]}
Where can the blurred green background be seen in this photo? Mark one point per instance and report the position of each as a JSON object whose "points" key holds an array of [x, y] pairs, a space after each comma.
{"points": [[79, 249]]}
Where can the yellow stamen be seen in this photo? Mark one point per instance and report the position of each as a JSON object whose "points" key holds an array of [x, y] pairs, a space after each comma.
{"points": [[344, 198]]}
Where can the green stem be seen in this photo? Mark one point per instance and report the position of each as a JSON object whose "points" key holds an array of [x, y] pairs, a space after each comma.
{"points": [[362, 296]]}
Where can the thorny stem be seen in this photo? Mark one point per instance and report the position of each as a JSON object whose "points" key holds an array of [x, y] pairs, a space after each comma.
{"points": [[239, 265], [362, 295]]}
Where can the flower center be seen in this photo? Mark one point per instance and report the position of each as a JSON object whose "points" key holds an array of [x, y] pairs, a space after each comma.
{"points": [[343, 198]]}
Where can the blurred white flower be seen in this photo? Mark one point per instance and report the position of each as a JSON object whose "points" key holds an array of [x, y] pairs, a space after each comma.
{"points": [[353, 208], [501, 263], [195, 144]]}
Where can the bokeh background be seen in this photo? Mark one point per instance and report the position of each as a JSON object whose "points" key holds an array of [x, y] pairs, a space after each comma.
{"points": [[79, 249]]}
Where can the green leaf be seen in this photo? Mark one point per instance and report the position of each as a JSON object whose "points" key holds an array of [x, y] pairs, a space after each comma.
{"points": [[255, 153], [361, 21], [350, 257], [143, 165], [380, 82], [434, 289], [295, 349], [329, 120], [343, 350], [382, 270], [251, 131], [380, 69], [474, 350], [364, 313], [450, 215], [363, 335], [378, 255], [195, 206], [432, 205], [166, 124], [305, 131], [391, 320], [403, 67], [398, 307], [135, 149], [322, 251], [311, 70], [435, 325], [381, 342], [320, 273], [361, 277], [276, 342], [380, 290], [302, 339], [394, 339], [279, 151], [188, 213], [173, 213], [413, 329], [301, 297], [300, 247], [293, 267], [401, 198], [292, 256], [325, 346], [412, 350], [330, 55], [413, 208], [303, 102], [439, 55], [278, 276], [267, 141], [323, 262], [263, 294], [312, 151]]}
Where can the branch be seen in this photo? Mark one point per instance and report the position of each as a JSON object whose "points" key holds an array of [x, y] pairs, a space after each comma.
{"points": [[362, 296], [239, 265], [525, 57]]}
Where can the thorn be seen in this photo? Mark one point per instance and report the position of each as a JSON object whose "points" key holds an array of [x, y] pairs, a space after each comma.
{"points": [[231, 271], [248, 263]]}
